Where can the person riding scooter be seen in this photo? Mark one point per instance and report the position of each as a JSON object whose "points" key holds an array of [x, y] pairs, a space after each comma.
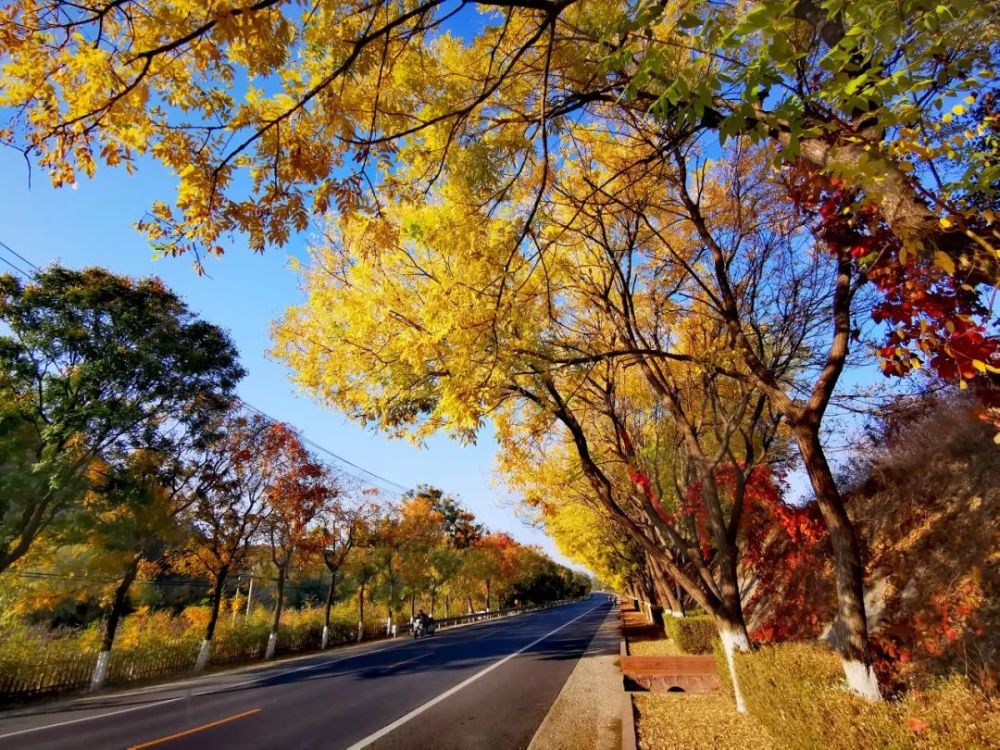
{"points": [[423, 624]]}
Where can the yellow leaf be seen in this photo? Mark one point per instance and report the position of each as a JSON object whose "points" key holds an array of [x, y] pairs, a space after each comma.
{"points": [[944, 261], [945, 223]]}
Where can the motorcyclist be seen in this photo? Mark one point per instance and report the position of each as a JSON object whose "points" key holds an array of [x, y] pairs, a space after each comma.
{"points": [[425, 621]]}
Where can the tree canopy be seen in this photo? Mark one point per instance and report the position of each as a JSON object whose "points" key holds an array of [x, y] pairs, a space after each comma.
{"points": [[97, 366]]}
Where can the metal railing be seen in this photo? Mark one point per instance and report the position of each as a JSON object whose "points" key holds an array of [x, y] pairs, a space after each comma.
{"points": [[496, 614], [48, 674]]}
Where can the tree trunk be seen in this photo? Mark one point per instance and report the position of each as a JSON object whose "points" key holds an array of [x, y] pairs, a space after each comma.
{"points": [[326, 611], [734, 638], [206, 645], [852, 621], [487, 594], [111, 626], [902, 207], [447, 605], [666, 594], [433, 602], [361, 612], [272, 639], [29, 531], [413, 605]]}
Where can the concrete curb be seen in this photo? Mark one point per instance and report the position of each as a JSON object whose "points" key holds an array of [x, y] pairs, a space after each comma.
{"points": [[629, 739]]}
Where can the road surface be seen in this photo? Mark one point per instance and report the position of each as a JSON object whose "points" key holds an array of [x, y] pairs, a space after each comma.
{"points": [[485, 686]]}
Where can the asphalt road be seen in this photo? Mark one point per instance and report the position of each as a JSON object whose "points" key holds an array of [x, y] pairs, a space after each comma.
{"points": [[485, 686]]}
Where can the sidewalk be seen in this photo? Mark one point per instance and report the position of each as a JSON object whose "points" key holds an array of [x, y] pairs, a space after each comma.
{"points": [[587, 712]]}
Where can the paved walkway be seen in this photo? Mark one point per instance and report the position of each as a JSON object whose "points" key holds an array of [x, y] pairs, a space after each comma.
{"points": [[587, 713]]}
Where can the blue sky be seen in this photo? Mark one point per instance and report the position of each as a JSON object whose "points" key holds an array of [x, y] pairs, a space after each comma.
{"points": [[243, 293]]}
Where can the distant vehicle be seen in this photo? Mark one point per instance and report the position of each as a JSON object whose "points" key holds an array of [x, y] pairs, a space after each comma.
{"points": [[424, 625]]}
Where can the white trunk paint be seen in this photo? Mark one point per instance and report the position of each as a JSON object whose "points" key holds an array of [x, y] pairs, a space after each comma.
{"points": [[203, 654], [676, 613], [326, 636], [100, 670], [272, 644], [732, 641], [361, 631], [861, 679]]}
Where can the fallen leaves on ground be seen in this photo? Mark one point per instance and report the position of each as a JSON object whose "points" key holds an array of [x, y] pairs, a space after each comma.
{"points": [[703, 721]]}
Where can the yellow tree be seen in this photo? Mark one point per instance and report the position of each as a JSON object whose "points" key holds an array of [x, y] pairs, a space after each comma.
{"points": [[422, 533], [259, 107], [400, 333]]}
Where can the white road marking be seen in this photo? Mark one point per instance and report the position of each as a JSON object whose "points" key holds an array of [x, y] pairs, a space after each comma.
{"points": [[463, 684], [196, 694], [228, 686], [90, 718]]}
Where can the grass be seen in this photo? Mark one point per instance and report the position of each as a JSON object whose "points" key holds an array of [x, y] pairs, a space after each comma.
{"points": [[696, 721], [797, 691], [662, 647], [150, 644]]}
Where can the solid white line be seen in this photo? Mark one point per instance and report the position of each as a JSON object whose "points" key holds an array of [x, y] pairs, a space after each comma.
{"points": [[463, 684], [90, 718], [219, 688], [209, 690]]}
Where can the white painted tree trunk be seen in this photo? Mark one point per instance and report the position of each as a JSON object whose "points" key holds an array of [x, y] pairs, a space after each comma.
{"points": [[733, 641], [677, 614], [203, 655], [100, 670], [326, 637], [861, 679], [272, 644]]}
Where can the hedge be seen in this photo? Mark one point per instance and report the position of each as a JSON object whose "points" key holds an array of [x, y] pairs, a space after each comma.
{"points": [[798, 693], [693, 635]]}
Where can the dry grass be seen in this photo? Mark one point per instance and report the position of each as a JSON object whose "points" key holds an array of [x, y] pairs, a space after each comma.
{"points": [[662, 647], [705, 721], [797, 691]]}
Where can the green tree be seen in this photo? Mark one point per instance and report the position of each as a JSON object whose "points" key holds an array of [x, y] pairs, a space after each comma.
{"points": [[96, 365]]}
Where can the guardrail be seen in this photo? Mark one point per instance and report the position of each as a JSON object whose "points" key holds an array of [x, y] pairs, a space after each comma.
{"points": [[448, 622], [49, 675]]}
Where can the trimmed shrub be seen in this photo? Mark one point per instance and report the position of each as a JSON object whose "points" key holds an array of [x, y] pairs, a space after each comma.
{"points": [[797, 692], [693, 635]]}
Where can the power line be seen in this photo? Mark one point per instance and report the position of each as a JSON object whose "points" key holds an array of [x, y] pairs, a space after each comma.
{"points": [[21, 271], [17, 254], [395, 488], [383, 483]]}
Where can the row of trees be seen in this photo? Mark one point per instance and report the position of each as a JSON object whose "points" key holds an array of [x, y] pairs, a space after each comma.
{"points": [[122, 439], [640, 238]]}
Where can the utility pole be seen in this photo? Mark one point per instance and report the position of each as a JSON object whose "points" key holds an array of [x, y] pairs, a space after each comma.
{"points": [[238, 579], [249, 598]]}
